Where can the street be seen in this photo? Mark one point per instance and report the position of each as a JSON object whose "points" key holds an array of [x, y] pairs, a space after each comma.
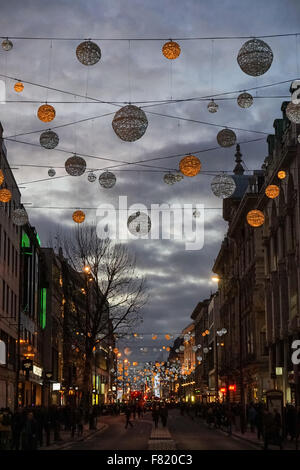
{"points": [[186, 434]]}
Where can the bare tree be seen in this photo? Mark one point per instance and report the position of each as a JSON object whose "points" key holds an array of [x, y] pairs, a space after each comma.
{"points": [[113, 292]]}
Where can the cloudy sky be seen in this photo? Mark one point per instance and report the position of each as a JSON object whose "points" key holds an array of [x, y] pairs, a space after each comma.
{"points": [[137, 71]]}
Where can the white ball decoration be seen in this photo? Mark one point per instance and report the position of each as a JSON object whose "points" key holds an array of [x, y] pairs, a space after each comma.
{"points": [[19, 217], [255, 57], [181, 348], [7, 45], [75, 166], [88, 53], [293, 112], [245, 100], [49, 140], [223, 186], [226, 138], [199, 358], [130, 123], [92, 177], [212, 107], [139, 223], [107, 180], [169, 178]]}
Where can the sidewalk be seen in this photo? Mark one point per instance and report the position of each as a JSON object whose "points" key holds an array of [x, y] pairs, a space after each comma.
{"points": [[252, 438], [66, 439]]}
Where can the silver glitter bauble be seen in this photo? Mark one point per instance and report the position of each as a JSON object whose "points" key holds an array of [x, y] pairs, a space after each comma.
{"points": [[19, 217], [293, 112], [181, 348], [92, 177], [255, 57], [51, 172], [212, 107], [169, 178], [49, 140], [223, 186], [88, 53], [199, 358], [130, 123], [107, 179], [245, 100], [7, 45], [178, 176], [226, 138], [139, 223], [75, 166]]}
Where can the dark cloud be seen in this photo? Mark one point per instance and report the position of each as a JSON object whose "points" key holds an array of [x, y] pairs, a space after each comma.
{"points": [[135, 71]]}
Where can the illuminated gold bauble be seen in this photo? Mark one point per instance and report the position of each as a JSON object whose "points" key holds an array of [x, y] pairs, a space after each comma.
{"points": [[78, 217], [1, 176], [272, 191], [167, 337], [46, 113], [154, 336], [281, 174], [19, 87], [190, 165], [7, 45], [255, 218], [171, 50], [5, 195]]}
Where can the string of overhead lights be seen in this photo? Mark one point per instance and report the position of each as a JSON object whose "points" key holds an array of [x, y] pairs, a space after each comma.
{"points": [[191, 38]]}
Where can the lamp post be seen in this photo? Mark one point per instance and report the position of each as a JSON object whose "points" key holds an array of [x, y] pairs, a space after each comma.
{"points": [[216, 278]]}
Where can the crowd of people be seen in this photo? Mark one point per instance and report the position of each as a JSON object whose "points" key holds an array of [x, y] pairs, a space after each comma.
{"points": [[268, 424], [30, 428]]}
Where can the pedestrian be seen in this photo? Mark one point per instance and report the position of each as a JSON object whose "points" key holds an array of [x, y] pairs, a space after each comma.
{"points": [[252, 417], [29, 433], [128, 415], [80, 422], [155, 415], [164, 415], [16, 427]]}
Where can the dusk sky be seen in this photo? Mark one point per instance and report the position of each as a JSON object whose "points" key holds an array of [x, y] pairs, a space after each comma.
{"points": [[131, 71]]}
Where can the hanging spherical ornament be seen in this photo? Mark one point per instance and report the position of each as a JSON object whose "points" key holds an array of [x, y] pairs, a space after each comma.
{"points": [[190, 165], [19, 217], [92, 177], [181, 348], [223, 186], [272, 191], [49, 140], [78, 217], [199, 358], [281, 174], [75, 166], [255, 57], [245, 100], [186, 337], [212, 107], [107, 179], [205, 350], [130, 123], [196, 213], [88, 53], [171, 50], [169, 178], [255, 218], [51, 172], [139, 223], [7, 45], [293, 112], [5, 195], [226, 138], [19, 87], [178, 176], [194, 348], [1, 176], [168, 337], [46, 113]]}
